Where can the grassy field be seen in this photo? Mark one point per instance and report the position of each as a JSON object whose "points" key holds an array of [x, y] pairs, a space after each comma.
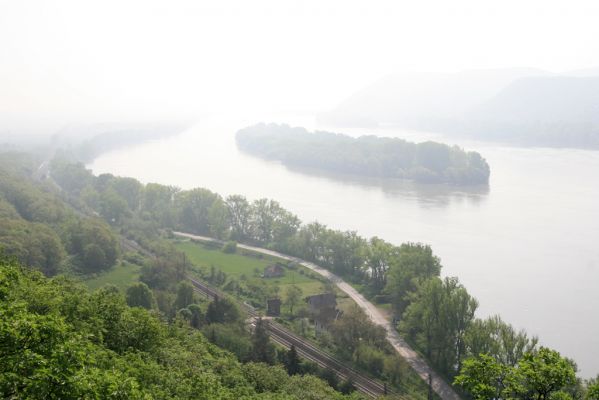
{"points": [[251, 265], [121, 275]]}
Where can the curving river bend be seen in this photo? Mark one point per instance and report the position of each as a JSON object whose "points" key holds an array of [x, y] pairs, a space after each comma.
{"points": [[526, 246]]}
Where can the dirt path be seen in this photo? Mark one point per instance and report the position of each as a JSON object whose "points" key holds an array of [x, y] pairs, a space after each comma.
{"points": [[444, 390]]}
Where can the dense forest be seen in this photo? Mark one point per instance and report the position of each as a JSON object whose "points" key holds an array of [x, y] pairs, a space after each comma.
{"points": [[145, 341], [371, 156]]}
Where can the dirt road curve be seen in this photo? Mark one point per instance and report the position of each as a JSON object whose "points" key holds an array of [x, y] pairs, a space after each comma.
{"points": [[444, 390]]}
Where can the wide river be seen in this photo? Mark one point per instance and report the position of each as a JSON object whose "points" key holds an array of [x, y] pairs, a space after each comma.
{"points": [[526, 246]]}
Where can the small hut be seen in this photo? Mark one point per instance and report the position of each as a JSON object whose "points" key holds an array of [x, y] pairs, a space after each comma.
{"points": [[273, 307], [273, 271]]}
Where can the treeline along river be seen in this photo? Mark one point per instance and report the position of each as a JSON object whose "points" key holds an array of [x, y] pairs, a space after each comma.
{"points": [[526, 245]]}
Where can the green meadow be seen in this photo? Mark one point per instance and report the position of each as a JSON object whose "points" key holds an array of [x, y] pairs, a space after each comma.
{"points": [[121, 275], [250, 265]]}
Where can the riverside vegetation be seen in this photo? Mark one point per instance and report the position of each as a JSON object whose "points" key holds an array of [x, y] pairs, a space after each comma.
{"points": [[371, 156], [165, 327]]}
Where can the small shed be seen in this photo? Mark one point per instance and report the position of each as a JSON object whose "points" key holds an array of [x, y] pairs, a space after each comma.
{"points": [[323, 310], [273, 307], [321, 302], [273, 271]]}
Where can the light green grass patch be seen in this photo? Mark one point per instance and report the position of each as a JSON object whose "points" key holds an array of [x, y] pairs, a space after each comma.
{"points": [[246, 263], [121, 275]]}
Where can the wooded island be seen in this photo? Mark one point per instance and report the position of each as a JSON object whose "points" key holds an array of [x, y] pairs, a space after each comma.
{"points": [[372, 156]]}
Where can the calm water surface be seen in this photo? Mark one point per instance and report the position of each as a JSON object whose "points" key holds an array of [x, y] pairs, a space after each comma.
{"points": [[527, 246]]}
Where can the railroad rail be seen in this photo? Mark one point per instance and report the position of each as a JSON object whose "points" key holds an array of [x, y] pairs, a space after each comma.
{"points": [[306, 349]]}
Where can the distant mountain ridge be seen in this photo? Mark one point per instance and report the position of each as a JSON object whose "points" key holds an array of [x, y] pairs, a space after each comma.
{"points": [[519, 106]]}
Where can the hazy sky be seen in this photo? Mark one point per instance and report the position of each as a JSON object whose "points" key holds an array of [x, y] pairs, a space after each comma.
{"points": [[113, 59]]}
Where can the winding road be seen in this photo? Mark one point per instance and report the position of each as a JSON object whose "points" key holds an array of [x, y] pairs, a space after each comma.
{"points": [[442, 388]]}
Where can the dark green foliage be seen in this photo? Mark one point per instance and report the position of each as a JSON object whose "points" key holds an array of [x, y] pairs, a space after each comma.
{"points": [[329, 376], [197, 317], [94, 243], [163, 273], [262, 350], [32, 243], [292, 361], [370, 359], [347, 387], [59, 342], [184, 295], [366, 155], [222, 310], [140, 295], [230, 247], [354, 329]]}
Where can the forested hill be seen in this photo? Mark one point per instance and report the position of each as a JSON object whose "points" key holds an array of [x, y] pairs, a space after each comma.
{"points": [[372, 156], [57, 341]]}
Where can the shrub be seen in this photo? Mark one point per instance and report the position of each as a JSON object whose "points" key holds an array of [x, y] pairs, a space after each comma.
{"points": [[230, 247]]}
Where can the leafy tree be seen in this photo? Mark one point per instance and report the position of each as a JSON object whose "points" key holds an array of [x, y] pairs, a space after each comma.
{"points": [[94, 243], [272, 223], [222, 310], [194, 207], [378, 259], [112, 206], [94, 257], [130, 190], [140, 295], [293, 296], [369, 358], [184, 295], [230, 247], [231, 337], [163, 273], [72, 177], [414, 264], [197, 316], [541, 374], [262, 349], [483, 377], [494, 337], [437, 321], [592, 389], [218, 219], [292, 361], [265, 378], [239, 217], [353, 328], [157, 203], [32, 243]]}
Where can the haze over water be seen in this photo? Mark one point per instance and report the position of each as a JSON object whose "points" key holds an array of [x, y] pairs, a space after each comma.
{"points": [[526, 246]]}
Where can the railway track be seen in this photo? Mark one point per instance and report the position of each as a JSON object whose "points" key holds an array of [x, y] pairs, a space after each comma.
{"points": [[306, 349]]}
